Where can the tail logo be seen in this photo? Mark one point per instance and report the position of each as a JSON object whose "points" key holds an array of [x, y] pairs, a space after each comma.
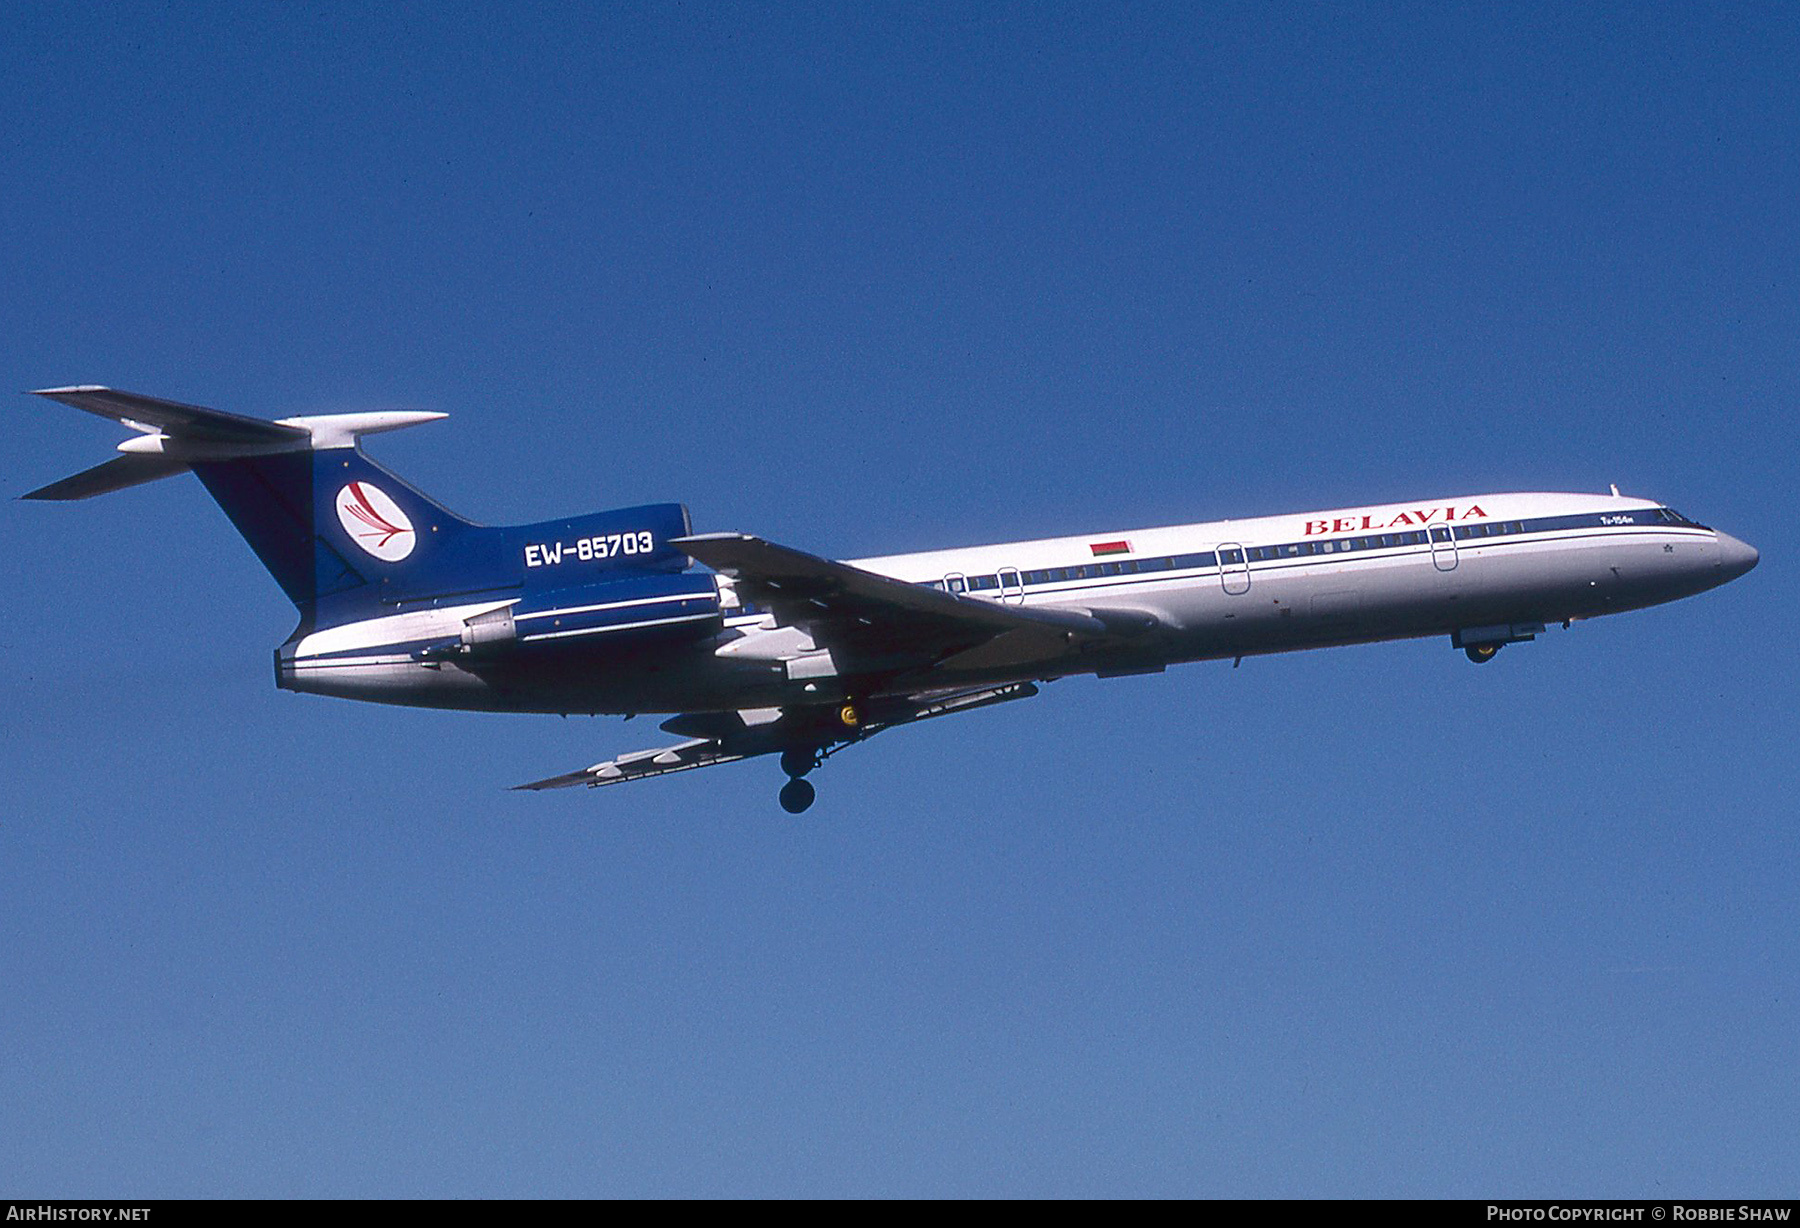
{"points": [[375, 522]]}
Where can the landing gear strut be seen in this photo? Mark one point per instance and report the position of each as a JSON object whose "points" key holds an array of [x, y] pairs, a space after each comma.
{"points": [[796, 795], [1481, 654]]}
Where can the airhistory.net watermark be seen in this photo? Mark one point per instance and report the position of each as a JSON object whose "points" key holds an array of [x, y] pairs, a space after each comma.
{"points": [[53, 1213]]}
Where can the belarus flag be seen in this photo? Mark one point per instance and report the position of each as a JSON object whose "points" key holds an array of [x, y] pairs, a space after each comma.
{"points": [[1100, 548]]}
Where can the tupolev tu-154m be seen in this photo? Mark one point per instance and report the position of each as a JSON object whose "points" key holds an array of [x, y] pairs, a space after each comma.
{"points": [[762, 649]]}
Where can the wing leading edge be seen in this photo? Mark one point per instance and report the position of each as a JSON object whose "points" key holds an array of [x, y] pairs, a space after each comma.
{"points": [[875, 615], [881, 622]]}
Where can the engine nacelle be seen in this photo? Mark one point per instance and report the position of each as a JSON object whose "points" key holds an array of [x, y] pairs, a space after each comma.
{"points": [[486, 633]]}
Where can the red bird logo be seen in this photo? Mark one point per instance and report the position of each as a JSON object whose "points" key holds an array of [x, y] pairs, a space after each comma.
{"points": [[375, 522]]}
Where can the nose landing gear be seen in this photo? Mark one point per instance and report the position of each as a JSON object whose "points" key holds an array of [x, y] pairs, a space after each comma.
{"points": [[1479, 644]]}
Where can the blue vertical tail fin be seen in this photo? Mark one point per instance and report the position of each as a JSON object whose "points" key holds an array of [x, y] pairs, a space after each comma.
{"points": [[334, 527]]}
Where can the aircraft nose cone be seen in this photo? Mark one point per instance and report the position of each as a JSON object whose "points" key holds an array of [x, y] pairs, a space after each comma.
{"points": [[1735, 557]]}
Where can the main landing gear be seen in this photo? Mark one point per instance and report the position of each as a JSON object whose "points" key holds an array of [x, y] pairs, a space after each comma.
{"points": [[797, 794]]}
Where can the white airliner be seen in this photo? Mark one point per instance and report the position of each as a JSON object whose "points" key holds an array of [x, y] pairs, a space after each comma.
{"points": [[774, 651]]}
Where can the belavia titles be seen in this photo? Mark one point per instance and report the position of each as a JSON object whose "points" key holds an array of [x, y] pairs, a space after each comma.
{"points": [[762, 649]]}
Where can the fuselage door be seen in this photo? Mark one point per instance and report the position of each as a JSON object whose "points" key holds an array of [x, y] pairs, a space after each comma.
{"points": [[1234, 568], [956, 583], [1443, 546], [1012, 586]]}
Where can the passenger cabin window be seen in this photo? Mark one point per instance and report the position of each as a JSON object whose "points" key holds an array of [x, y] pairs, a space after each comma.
{"points": [[1235, 557]]}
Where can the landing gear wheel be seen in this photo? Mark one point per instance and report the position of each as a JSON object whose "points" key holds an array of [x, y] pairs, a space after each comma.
{"points": [[1481, 654], [797, 763], [796, 795]]}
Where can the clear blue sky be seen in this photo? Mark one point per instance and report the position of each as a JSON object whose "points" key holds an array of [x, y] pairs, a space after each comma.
{"points": [[868, 279]]}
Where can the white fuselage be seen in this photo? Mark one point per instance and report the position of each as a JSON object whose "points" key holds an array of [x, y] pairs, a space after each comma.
{"points": [[1485, 569], [1377, 561]]}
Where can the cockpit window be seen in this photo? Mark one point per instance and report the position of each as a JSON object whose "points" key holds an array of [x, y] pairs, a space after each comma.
{"points": [[1669, 515]]}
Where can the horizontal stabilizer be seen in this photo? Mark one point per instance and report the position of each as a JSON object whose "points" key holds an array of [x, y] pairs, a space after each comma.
{"points": [[172, 418], [173, 438], [109, 476]]}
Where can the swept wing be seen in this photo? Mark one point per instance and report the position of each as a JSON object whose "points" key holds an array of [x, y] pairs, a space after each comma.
{"points": [[863, 616], [726, 737]]}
